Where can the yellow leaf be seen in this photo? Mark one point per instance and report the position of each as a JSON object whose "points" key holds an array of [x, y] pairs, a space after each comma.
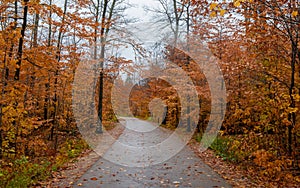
{"points": [[213, 14], [295, 13], [237, 3], [292, 110], [296, 97], [213, 6], [222, 12]]}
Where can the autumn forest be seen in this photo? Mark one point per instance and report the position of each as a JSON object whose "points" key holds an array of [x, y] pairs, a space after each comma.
{"points": [[256, 44]]}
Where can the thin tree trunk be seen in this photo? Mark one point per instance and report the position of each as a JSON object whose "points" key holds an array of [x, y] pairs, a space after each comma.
{"points": [[292, 116], [30, 78], [21, 42], [58, 58], [105, 27], [47, 85], [177, 20], [19, 63], [102, 56], [10, 55], [1, 104], [188, 63], [35, 30], [92, 104]]}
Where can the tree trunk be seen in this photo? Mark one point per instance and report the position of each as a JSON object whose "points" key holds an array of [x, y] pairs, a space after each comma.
{"points": [[92, 104], [58, 58], [102, 56], [105, 27], [18, 66], [35, 30], [47, 85], [21, 42], [292, 116]]}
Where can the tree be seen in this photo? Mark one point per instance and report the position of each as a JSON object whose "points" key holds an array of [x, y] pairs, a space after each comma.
{"points": [[21, 41], [260, 65], [281, 19]]}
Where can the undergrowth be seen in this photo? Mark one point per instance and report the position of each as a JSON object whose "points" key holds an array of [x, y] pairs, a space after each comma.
{"points": [[26, 171], [262, 164]]}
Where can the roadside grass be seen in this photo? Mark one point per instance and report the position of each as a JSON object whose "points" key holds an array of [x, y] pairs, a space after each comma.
{"points": [[263, 165], [24, 173], [229, 148], [224, 147], [27, 172]]}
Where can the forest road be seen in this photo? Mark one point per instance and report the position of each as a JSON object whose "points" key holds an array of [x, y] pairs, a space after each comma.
{"points": [[137, 159]]}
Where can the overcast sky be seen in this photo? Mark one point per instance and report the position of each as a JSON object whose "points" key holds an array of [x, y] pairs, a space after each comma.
{"points": [[138, 11], [145, 31]]}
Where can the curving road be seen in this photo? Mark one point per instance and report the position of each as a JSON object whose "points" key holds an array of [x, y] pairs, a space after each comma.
{"points": [[148, 156]]}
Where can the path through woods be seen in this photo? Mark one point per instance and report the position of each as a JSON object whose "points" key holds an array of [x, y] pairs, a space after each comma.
{"points": [[124, 167]]}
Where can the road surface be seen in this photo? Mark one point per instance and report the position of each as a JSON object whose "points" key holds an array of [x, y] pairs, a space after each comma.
{"points": [[143, 158]]}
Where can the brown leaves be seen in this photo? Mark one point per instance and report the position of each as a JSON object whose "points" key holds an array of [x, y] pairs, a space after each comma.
{"points": [[94, 179], [261, 157]]}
